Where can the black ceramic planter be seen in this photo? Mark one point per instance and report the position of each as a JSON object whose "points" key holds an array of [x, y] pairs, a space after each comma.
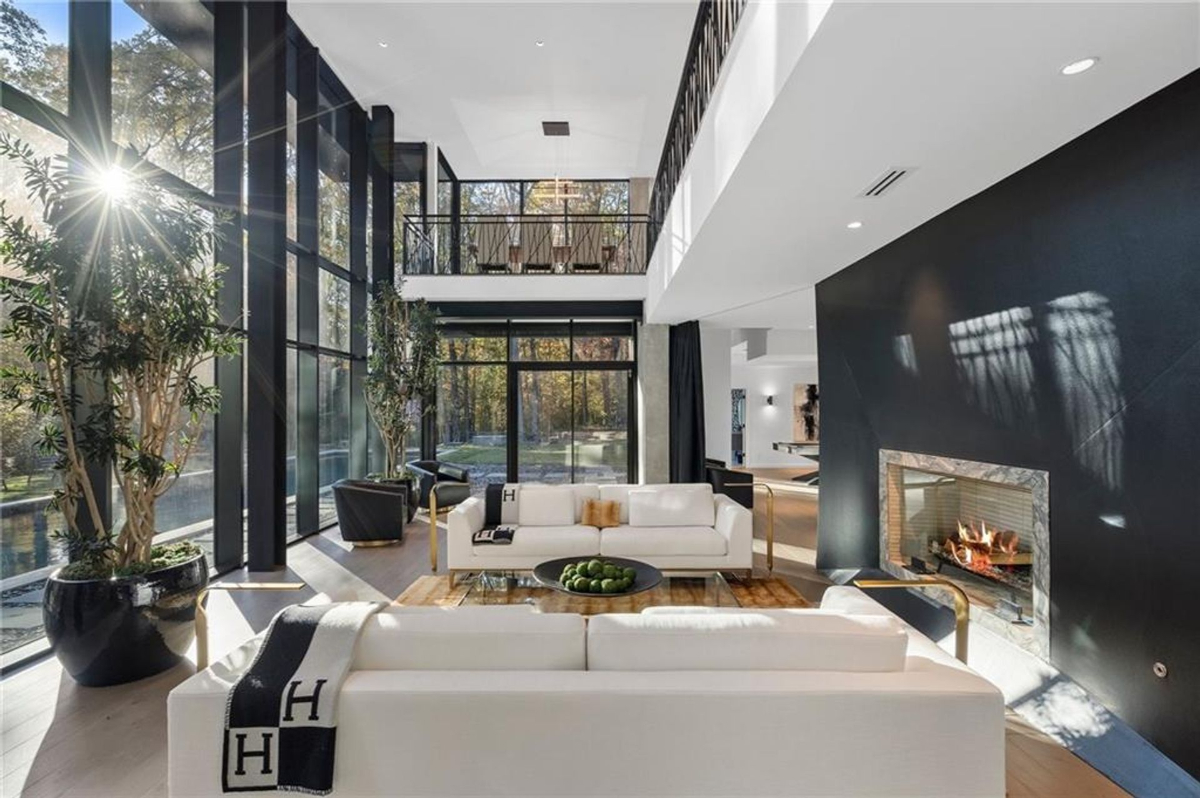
{"points": [[111, 631]]}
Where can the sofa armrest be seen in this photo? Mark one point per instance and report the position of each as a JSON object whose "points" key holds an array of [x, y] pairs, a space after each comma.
{"points": [[461, 524], [736, 523]]}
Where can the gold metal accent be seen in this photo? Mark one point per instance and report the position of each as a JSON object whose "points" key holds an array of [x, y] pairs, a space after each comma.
{"points": [[372, 544], [433, 543], [770, 524], [962, 604], [202, 616], [434, 510]]}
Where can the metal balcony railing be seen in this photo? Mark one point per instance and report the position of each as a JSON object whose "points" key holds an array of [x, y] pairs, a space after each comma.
{"points": [[529, 244], [712, 34]]}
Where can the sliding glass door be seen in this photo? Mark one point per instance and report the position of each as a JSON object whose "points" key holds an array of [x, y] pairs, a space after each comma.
{"points": [[544, 423], [600, 436], [572, 424], [547, 401]]}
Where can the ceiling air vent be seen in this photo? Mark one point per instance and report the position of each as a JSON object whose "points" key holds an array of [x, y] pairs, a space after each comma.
{"points": [[887, 181], [556, 128]]}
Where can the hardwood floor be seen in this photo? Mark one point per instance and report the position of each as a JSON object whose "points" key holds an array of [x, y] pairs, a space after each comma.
{"points": [[60, 739]]}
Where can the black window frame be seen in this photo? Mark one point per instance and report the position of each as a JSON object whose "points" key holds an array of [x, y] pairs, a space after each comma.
{"points": [[515, 366]]}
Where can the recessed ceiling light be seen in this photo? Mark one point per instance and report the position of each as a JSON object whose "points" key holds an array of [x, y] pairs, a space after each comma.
{"points": [[1082, 65], [854, 225], [540, 43], [383, 45]]}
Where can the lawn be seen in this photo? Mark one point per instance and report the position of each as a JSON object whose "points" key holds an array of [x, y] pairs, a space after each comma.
{"points": [[27, 486], [546, 454]]}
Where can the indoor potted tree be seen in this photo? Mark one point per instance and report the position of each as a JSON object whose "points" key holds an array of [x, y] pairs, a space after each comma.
{"points": [[115, 354], [401, 376]]}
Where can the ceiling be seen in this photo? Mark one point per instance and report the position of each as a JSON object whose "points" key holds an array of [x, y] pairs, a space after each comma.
{"points": [[470, 77], [966, 92]]}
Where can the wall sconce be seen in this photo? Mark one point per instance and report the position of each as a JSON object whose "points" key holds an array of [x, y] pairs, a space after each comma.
{"points": [[770, 400]]}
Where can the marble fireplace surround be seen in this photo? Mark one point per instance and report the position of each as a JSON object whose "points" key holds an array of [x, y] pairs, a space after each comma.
{"points": [[1035, 639]]}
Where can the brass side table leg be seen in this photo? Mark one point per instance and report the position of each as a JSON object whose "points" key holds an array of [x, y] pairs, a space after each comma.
{"points": [[433, 531], [770, 525], [202, 614], [962, 605], [201, 631]]}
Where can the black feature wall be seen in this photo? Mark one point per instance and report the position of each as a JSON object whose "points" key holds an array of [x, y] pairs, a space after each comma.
{"points": [[1051, 322]]}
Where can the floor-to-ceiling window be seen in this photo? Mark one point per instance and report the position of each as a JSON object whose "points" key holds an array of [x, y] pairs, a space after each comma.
{"points": [[27, 550], [161, 124], [408, 186], [472, 399], [165, 99], [162, 108], [538, 401], [335, 282]]}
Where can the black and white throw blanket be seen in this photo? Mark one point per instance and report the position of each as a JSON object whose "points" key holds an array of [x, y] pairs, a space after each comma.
{"points": [[500, 536], [280, 718]]}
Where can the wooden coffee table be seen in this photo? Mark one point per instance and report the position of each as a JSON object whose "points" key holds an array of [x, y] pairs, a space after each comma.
{"points": [[676, 590]]}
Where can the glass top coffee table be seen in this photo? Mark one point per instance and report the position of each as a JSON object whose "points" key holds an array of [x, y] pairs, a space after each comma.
{"points": [[677, 589]]}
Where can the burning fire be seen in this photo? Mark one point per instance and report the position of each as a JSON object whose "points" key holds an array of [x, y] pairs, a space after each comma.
{"points": [[975, 547]]}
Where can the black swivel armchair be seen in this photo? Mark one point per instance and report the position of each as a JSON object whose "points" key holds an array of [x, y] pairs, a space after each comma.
{"points": [[737, 485], [371, 513]]}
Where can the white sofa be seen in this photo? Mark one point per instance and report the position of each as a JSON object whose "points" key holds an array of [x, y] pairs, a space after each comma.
{"points": [[841, 701], [673, 527]]}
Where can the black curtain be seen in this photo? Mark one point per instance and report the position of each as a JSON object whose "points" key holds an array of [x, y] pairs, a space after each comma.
{"points": [[687, 404]]}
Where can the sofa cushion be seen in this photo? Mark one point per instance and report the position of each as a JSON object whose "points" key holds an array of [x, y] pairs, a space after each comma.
{"points": [[583, 494], [776, 640], [620, 495], [672, 505], [662, 541], [548, 542], [546, 505], [472, 639]]}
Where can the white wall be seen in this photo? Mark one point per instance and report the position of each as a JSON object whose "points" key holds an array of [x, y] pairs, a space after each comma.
{"points": [[769, 40], [718, 409], [766, 424]]}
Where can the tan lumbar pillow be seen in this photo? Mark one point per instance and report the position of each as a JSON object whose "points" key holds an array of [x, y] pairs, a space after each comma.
{"points": [[599, 513]]}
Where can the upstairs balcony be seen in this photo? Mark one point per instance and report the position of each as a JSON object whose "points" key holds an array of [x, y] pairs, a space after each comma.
{"points": [[539, 244]]}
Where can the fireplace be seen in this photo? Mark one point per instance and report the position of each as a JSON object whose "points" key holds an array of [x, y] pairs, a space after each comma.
{"points": [[983, 526]]}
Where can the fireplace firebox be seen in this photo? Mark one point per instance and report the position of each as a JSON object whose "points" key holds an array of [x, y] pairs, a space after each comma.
{"points": [[981, 525]]}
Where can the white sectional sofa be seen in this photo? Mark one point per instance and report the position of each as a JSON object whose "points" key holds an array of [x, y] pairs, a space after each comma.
{"points": [[841, 701], [673, 527]]}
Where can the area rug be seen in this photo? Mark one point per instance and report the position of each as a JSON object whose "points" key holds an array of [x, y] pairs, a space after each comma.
{"points": [[770, 593]]}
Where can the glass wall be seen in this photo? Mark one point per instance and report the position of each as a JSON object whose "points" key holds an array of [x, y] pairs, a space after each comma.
{"points": [[491, 197], [27, 551], [537, 401], [165, 90], [333, 303], [162, 91], [33, 49], [560, 197]]}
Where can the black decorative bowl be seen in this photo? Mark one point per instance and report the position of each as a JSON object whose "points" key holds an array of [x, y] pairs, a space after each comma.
{"points": [[646, 575]]}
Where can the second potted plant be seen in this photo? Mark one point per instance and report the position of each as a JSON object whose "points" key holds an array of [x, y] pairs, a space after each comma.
{"points": [[401, 377]]}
